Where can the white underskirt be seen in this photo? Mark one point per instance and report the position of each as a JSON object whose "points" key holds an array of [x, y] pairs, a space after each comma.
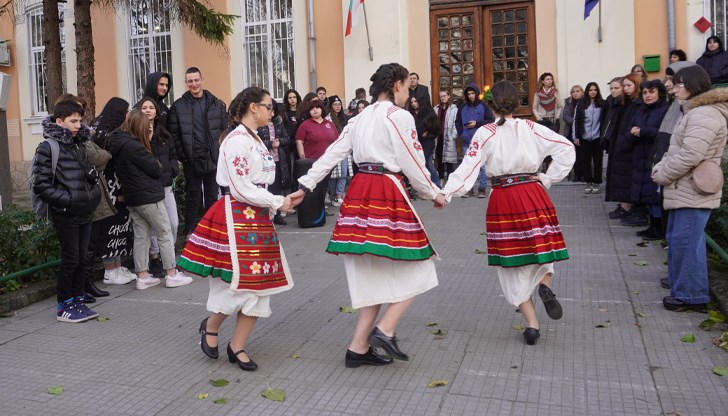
{"points": [[518, 283]]}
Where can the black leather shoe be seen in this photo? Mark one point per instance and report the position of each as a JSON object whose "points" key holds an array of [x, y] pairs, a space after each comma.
{"points": [[233, 357], [673, 304], [553, 307], [206, 348], [618, 213], [277, 219], [371, 357], [92, 290], [378, 339], [531, 335], [665, 283], [635, 220], [155, 268], [88, 298]]}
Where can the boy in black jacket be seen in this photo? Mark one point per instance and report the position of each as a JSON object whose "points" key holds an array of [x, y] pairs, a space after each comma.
{"points": [[72, 195]]}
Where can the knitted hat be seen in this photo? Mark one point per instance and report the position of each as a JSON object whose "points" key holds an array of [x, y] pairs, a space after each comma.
{"points": [[676, 66]]}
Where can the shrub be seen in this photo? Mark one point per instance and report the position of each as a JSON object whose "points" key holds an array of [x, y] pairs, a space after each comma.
{"points": [[718, 224]]}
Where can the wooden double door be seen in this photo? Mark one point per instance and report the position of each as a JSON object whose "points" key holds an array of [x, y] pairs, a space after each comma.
{"points": [[483, 44]]}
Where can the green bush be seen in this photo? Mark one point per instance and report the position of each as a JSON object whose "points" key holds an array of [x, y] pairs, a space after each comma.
{"points": [[718, 224], [26, 242]]}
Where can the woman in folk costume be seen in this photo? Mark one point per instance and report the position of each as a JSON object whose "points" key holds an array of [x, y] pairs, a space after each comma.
{"points": [[235, 243], [387, 254], [523, 233]]}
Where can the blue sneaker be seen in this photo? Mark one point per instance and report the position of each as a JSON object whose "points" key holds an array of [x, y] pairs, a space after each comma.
{"points": [[66, 311], [81, 307]]}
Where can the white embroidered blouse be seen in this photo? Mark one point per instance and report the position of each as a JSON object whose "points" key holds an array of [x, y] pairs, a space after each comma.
{"points": [[246, 167], [382, 133], [518, 146]]}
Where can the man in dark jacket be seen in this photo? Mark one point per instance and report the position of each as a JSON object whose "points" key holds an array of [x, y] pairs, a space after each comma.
{"points": [[72, 194], [417, 90], [159, 84], [196, 121], [473, 114]]}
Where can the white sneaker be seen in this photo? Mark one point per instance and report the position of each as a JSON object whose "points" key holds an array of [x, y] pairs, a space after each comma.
{"points": [[126, 272], [337, 202], [147, 282], [179, 279], [114, 277]]}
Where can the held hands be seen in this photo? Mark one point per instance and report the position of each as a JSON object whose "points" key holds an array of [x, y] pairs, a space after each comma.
{"points": [[439, 202], [296, 197], [287, 205]]}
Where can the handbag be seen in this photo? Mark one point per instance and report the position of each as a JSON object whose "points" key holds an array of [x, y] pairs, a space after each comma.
{"points": [[106, 207], [708, 176]]}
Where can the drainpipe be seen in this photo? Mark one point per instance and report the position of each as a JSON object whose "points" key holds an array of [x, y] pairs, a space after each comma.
{"points": [[671, 43], [311, 49]]}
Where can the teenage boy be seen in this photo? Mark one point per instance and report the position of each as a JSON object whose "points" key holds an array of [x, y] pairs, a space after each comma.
{"points": [[158, 86], [472, 114], [72, 194]]}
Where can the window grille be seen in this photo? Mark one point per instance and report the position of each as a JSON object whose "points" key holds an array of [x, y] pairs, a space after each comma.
{"points": [[150, 44], [37, 60], [717, 15], [269, 45]]}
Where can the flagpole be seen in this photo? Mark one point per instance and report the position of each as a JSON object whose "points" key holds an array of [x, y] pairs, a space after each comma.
{"points": [[599, 30], [366, 24]]}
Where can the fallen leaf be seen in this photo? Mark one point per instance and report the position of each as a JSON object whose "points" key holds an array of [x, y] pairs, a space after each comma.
{"points": [[56, 390], [437, 383], [277, 395], [347, 309], [716, 316], [483, 233], [438, 338], [720, 370], [635, 293], [642, 315], [438, 332], [518, 327], [602, 309], [221, 400], [641, 263], [688, 338], [479, 252], [707, 324], [642, 244], [432, 323], [220, 382], [632, 255], [102, 319], [203, 396], [295, 356], [665, 263], [604, 325]]}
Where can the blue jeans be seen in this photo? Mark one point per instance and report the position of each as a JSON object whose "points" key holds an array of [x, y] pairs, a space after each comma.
{"points": [[686, 257], [338, 186], [482, 177]]}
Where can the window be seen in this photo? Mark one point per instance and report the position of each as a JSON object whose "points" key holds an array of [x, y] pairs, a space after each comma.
{"points": [[269, 45], [150, 44], [717, 15], [37, 60]]}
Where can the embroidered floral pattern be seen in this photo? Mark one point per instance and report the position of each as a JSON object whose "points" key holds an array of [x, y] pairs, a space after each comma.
{"points": [[473, 149], [266, 268], [275, 267], [255, 268], [249, 213], [242, 167], [252, 238]]}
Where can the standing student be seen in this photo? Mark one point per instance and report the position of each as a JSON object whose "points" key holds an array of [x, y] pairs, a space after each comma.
{"points": [[340, 173], [446, 151], [587, 136], [72, 194], [577, 93], [546, 103], [159, 84], [235, 245], [276, 140], [390, 263], [139, 173], [428, 129], [472, 114], [715, 60], [523, 234], [417, 90]]}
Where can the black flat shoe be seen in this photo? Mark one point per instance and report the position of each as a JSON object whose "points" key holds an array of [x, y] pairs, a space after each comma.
{"points": [[206, 348], [371, 357], [531, 335], [378, 339], [277, 219], [553, 307], [88, 298], [233, 357], [671, 303], [665, 283], [91, 289]]}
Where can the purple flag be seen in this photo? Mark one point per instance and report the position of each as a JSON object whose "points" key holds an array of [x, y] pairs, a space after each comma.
{"points": [[589, 5]]}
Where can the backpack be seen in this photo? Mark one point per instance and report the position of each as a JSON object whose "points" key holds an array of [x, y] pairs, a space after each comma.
{"points": [[40, 207]]}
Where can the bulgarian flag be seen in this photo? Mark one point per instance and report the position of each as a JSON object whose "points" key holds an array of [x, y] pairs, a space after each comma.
{"points": [[351, 14]]}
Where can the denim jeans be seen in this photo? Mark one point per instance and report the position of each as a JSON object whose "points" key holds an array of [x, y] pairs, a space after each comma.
{"points": [[428, 148], [482, 177], [686, 257], [337, 186]]}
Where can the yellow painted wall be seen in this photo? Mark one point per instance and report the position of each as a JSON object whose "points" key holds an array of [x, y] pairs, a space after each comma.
{"points": [[105, 71], [418, 46], [546, 33], [650, 33], [328, 23], [7, 31]]}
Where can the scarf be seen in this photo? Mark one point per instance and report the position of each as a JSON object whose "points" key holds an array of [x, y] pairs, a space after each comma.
{"points": [[547, 99]]}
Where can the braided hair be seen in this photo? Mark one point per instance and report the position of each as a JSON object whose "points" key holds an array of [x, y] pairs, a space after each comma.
{"points": [[384, 79], [505, 100], [239, 107]]}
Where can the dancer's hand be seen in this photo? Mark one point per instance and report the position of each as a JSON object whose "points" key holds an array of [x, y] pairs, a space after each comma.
{"points": [[287, 205], [296, 197], [440, 201]]}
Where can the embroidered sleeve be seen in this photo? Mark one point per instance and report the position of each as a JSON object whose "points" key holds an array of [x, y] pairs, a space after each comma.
{"points": [[464, 177], [244, 172], [408, 151]]}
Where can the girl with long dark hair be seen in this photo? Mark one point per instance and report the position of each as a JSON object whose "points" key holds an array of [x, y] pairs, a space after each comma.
{"points": [[278, 142], [587, 136], [428, 128]]}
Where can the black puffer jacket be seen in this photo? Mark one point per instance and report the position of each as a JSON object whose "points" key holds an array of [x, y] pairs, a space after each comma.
{"points": [[150, 90], [283, 150], [182, 129], [716, 65], [74, 194], [648, 119], [166, 154], [137, 169]]}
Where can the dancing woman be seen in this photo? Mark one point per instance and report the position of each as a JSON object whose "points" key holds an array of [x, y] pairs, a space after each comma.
{"points": [[523, 233], [235, 243], [387, 254]]}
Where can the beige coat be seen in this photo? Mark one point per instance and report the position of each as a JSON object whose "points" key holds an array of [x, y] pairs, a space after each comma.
{"points": [[699, 136]]}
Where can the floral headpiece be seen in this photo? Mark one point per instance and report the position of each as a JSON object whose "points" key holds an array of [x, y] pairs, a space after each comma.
{"points": [[486, 95]]}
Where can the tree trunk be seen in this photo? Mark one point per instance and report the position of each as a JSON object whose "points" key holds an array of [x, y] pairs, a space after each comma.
{"points": [[52, 43], [86, 81]]}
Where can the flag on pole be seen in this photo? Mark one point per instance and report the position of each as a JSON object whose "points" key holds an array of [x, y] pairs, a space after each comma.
{"points": [[351, 14], [589, 5]]}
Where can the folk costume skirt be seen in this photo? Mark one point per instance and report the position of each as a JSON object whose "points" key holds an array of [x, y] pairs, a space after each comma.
{"points": [[388, 256], [524, 238], [237, 243]]}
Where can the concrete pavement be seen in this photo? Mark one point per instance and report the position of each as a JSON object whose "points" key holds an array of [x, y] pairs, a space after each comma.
{"points": [[145, 360]]}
